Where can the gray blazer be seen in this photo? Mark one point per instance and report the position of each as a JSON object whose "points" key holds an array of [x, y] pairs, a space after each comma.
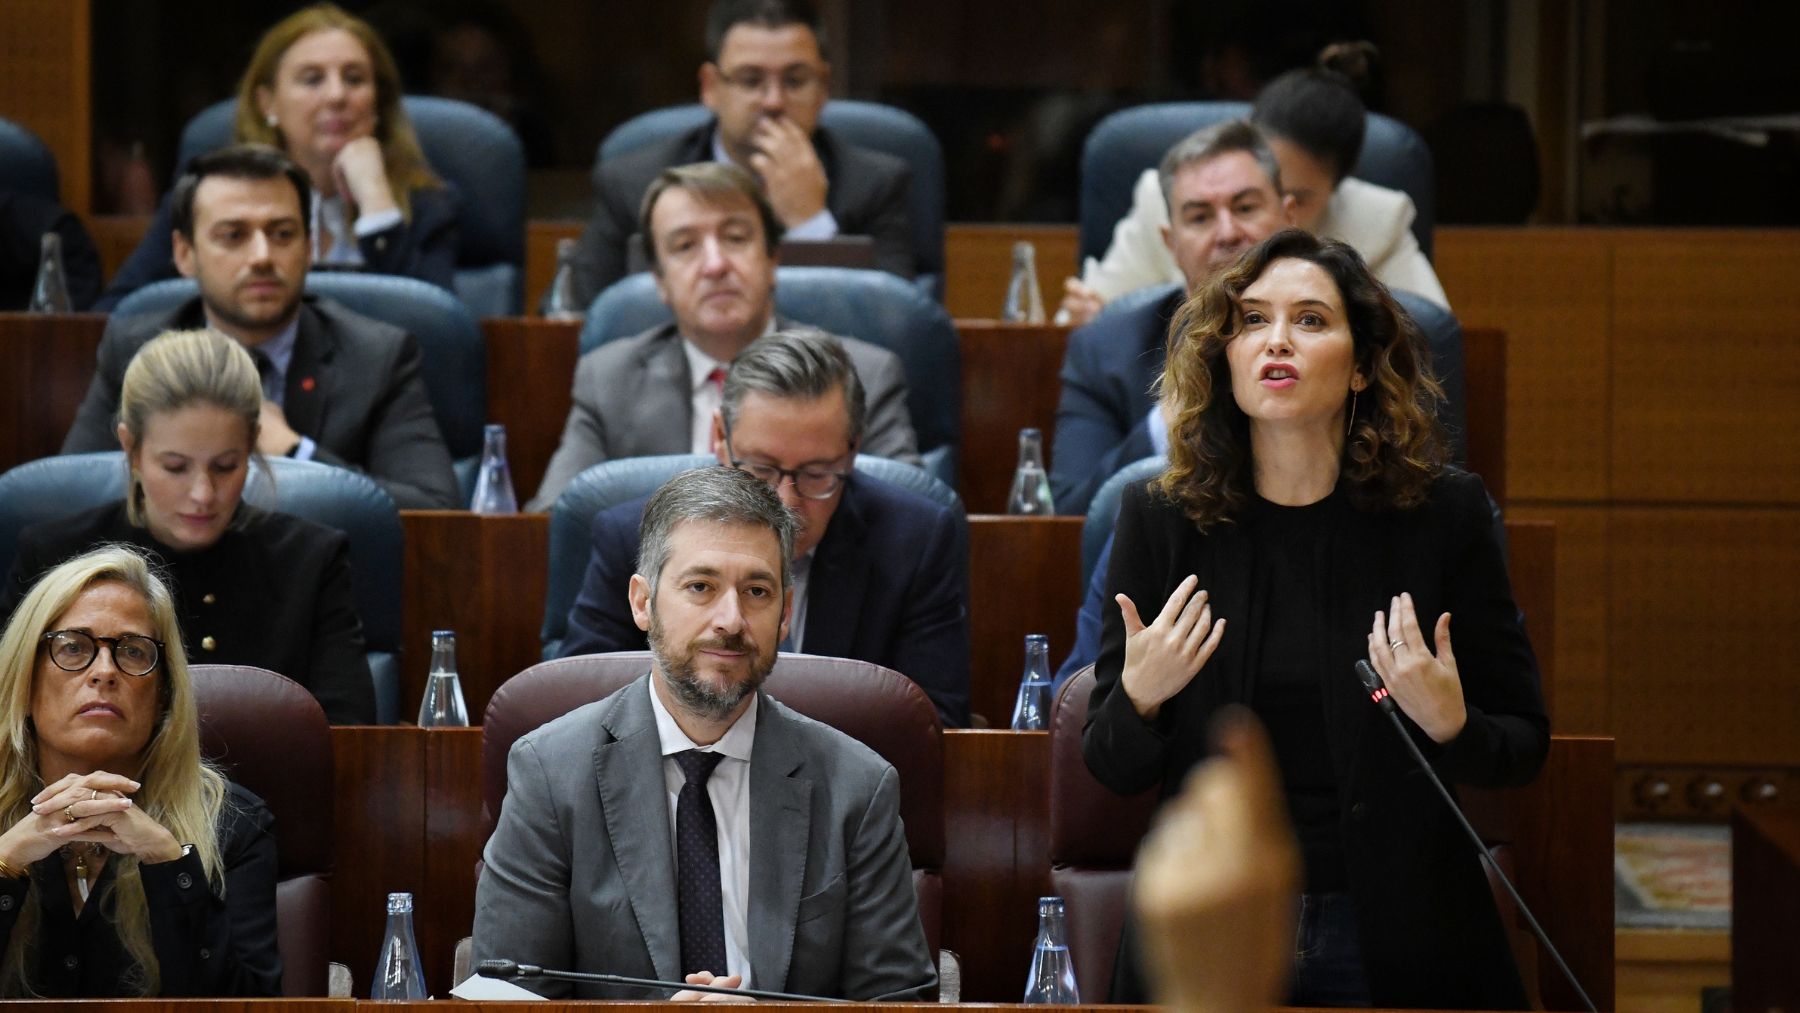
{"points": [[580, 871], [631, 399]]}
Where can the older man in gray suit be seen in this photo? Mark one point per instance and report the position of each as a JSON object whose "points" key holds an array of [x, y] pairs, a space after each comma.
{"points": [[689, 827], [711, 238]]}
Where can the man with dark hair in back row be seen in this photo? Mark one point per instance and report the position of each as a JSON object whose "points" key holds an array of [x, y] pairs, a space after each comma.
{"points": [[766, 80], [338, 387]]}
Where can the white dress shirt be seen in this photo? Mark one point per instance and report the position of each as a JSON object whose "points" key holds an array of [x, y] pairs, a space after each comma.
{"points": [[797, 621], [330, 219], [729, 790], [704, 396]]}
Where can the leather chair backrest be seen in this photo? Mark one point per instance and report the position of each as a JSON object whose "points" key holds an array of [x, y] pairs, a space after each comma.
{"points": [[54, 487], [1094, 836], [873, 306], [467, 146], [1124, 144], [267, 733], [610, 483], [1103, 510], [864, 124], [450, 341], [27, 164]]}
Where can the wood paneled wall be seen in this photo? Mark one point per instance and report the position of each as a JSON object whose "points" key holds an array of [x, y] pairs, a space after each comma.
{"points": [[45, 85]]}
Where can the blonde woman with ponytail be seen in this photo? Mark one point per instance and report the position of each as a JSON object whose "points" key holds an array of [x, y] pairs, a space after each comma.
{"points": [[128, 865]]}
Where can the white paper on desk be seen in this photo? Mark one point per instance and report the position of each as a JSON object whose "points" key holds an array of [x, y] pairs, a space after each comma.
{"points": [[477, 987]]}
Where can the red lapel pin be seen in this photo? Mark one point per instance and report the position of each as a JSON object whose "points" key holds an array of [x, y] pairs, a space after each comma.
{"points": [[307, 384]]}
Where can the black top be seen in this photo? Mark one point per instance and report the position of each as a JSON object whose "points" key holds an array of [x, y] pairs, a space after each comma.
{"points": [[1289, 553], [205, 945]]}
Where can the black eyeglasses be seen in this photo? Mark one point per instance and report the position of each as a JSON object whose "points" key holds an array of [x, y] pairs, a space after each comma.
{"points": [[75, 651], [813, 481]]}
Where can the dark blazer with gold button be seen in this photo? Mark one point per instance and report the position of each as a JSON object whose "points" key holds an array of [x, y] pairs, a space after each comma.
{"points": [[273, 592]]}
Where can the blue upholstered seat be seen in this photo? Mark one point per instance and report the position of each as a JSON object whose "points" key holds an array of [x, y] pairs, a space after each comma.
{"points": [[26, 163]]}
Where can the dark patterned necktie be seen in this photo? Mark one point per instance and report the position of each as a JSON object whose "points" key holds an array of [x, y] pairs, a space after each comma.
{"points": [[701, 904], [265, 369]]}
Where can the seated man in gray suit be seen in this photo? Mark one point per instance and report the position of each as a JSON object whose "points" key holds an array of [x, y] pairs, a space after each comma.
{"points": [[710, 235], [689, 827], [337, 387]]}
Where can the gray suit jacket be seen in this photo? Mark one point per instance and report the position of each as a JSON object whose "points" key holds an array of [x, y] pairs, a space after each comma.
{"points": [[354, 387], [580, 871], [631, 399]]}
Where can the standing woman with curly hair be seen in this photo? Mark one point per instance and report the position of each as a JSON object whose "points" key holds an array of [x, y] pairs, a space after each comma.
{"points": [[1307, 520]]}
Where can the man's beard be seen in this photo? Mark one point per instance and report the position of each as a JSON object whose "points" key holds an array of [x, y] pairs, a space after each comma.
{"points": [[682, 677]]}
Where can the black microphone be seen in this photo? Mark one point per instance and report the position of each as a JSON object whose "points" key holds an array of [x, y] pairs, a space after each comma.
{"points": [[1378, 692], [508, 970]]}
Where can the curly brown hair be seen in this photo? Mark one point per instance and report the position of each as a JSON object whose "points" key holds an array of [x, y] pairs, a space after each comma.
{"points": [[1396, 446]]}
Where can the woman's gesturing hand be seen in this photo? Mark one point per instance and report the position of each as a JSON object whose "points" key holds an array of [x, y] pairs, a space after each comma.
{"points": [[1163, 657], [1426, 686]]}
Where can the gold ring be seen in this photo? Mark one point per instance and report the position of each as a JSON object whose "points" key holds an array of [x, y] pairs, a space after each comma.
{"points": [[69, 811]]}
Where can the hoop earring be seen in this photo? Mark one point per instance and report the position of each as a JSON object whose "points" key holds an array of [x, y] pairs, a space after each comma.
{"points": [[1350, 424]]}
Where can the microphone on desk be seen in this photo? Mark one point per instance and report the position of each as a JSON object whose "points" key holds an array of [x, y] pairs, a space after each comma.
{"points": [[508, 970], [1378, 692]]}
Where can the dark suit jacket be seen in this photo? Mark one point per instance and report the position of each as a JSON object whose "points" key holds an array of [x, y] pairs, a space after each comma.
{"points": [[867, 195], [580, 870], [274, 592], [889, 585], [354, 386], [423, 247], [1429, 933]]}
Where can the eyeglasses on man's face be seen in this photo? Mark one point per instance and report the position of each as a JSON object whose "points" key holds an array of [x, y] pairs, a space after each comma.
{"points": [[75, 651], [796, 81], [813, 481]]}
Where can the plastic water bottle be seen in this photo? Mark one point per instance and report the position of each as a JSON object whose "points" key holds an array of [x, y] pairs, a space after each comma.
{"points": [[1052, 978], [1031, 712], [397, 974], [493, 484], [443, 704], [561, 304], [1024, 300], [1031, 483], [50, 293]]}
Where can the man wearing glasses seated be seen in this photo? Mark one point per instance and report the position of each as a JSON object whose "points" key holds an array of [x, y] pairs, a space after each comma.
{"points": [[878, 573], [766, 81]]}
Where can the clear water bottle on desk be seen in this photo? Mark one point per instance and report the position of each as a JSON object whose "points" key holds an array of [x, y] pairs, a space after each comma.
{"points": [[1031, 483], [397, 974], [443, 704], [1024, 300], [493, 484], [1031, 712], [50, 293], [561, 304], [1052, 978]]}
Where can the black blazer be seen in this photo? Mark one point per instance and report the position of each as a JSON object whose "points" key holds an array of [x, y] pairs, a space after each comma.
{"points": [[1429, 932], [888, 586], [423, 247], [355, 386], [867, 194], [274, 592]]}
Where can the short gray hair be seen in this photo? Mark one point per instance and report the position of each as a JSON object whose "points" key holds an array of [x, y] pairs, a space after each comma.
{"points": [[719, 495], [1208, 143], [802, 364]]}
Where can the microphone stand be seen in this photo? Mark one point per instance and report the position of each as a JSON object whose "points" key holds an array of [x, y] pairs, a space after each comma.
{"points": [[1378, 692], [508, 970]]}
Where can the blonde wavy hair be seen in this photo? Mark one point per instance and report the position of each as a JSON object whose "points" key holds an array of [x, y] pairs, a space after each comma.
{"points": [[1396, 446], [181, 791], [176, 369], [400, 150]]}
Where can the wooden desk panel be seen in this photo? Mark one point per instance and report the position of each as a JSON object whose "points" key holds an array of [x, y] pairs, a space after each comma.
{"points": [[380, 847], [1010, 382], [1024, 577], [454, 835], [483, 577], [49, 363], [1484, 408], [116, 237], [997, 855], [530, 371], [978, 264], [1765, 907], [1531, 565]]}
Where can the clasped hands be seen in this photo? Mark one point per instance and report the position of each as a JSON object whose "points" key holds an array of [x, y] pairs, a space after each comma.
{"points": [[1163, 657], [94, 807]]}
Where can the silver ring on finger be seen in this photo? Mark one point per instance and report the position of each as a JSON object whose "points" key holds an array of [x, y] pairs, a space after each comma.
{"points": [[1395, 645], [95, 796]]}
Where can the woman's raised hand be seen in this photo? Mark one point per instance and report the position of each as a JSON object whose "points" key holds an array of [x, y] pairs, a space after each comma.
{"points": [[1426, 686], [1166, 655], [362, 176]]}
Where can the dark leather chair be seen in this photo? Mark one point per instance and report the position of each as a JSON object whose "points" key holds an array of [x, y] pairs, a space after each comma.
{"points": [[871, 305], [864, 124], [1094, 836], [880, 708], [1103, 510], [453, 350], [613, 482], [269, 735], [28, 166], [467, 146], [1127, 142], [336, 497]]}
